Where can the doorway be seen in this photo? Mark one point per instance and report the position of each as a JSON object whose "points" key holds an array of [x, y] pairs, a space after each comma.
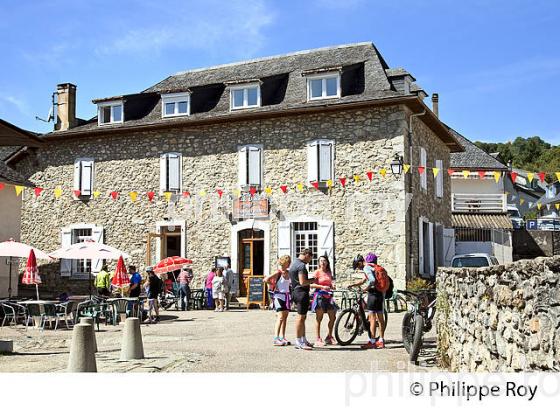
{"points": [[168, 240], [250, 256]]}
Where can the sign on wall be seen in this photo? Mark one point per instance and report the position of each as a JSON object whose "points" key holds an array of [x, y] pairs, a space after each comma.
{"points": [[250, 207]]}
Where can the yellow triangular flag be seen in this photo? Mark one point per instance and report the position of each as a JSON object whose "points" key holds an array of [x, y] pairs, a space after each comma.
{"points": [[356, 178], [558, 176], [133, 195], [466, 174], [557, 206], [435, 171], [202, 193], [521, 201], [530, 177], [167, 196], [19, 189], [299, 187], [268, 190], [57, 192], [383, 171], [329, 183], [96, 194], [539, 205], [406, 167], [237, 192], [497, 175]]}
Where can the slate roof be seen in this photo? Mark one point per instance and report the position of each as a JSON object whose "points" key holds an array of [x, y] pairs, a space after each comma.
{"points": [[473, 157], [10, 176], [5, 152]]}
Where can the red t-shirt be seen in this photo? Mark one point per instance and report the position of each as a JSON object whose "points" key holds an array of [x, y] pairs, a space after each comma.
{"points": [[323, 278]]}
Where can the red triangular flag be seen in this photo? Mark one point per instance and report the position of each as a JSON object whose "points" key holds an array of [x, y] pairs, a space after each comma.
{"points": [[421, 170], [369, 175], [450, 171], [76, 192], [315, 184], [220, 192], [2, 185], [38, 191], [284, 188], [481, 174], [150, 195], [186, 194], [252, 190], [342, 181], [114, 194], [513, 176], [542, 176]]}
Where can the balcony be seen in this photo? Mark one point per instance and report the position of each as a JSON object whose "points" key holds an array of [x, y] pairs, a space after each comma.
{"points": [[479, 203]]}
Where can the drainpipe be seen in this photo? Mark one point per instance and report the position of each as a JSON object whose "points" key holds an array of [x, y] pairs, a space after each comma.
{"points": [[409, 192]]}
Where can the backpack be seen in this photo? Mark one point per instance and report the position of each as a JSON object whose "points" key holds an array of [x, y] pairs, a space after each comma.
{"points": [[382, 280], [390, 290]]}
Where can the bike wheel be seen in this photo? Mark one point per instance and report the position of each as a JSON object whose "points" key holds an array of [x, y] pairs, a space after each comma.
{"points": [[417, 339], [386, 319], [346, 327], [407, 330]]}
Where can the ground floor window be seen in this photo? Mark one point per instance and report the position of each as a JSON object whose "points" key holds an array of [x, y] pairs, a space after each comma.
{"points": [[81, 267], [306, 236], [76, 233], [473, 235]]}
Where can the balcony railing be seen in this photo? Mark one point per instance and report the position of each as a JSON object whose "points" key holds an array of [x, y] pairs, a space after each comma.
{"points": [[479, 203]]}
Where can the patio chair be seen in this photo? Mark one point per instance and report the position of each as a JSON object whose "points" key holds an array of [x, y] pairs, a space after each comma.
{"points": [[196, 301], [88, 309], [64, 312], [49, 314], [33, 311], [120, 307], [13, 312]]}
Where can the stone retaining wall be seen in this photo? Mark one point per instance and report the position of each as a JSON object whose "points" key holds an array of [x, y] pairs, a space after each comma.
{"points": [[502, 318]]}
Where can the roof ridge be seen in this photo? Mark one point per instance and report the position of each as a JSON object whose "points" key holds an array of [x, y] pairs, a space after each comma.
{"points": [[260, 59]]}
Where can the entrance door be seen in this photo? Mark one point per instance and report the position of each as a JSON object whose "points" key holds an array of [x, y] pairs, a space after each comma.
{"points": [[164, 244], [250, 256]]}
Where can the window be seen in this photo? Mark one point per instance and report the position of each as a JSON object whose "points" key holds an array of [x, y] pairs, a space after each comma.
{"points": [[80, 268], [324, 86], [110, 113], [439, 178], [170, 166], [83, 177], [176, 104], [250, 166], [320, 161], [306, 235], [423, 176], [245, 96]]}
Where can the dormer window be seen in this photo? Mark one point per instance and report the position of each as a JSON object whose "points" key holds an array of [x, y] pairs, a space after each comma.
{"points": [[322, 86], [110, 112], [176, 104], [245, 96]]}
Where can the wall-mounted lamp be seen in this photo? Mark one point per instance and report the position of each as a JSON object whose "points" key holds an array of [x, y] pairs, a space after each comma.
{"points": [[397, 165]]}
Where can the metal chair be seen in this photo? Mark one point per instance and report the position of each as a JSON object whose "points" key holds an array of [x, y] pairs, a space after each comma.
{"points": [[33, 311], [64, 312], [49, 314], [13, 312], [196, 301]]}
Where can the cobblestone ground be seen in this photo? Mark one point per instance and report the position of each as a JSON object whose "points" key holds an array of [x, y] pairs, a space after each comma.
{"points": [[205, 341]]}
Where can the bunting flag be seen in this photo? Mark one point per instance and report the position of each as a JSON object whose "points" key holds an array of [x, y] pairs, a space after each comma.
{"points": [[558, 176], [252, 190], [202, 193], [96, 194], [220, 193], [37, 191], [57, 192], [406, 168], [542, 176], [299, 187], [530, 176], [315, 184], [450, 171], [76, 193], [497, 175], [369, 175], [133, 195], [513, 176], [342, 181], [237, 192], [481, 174], [2, 185], [167, 195], [383, 172], [421, 170], [530, 204], [329, 183], [284, 188], [435, 171], [114, 195], [356, 179], [19, 189], [548, 206], [557, 206], [466, 173], [521, 201], [151, 194], [539, 206], [268, 190]]}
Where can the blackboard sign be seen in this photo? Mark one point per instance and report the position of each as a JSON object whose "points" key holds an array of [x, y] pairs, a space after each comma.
{"points": [[255, 290]]}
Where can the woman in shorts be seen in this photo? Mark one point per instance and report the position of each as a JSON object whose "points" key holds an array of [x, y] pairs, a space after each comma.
{"points": [[323, 301], [279, 284]]}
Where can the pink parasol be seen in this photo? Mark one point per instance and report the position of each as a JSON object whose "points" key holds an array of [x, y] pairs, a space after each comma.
{"points": [[120, 279], [31, 273], [171, 264]]}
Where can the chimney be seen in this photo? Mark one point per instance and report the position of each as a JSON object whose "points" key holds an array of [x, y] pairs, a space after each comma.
{"points": [[435, 104], [65, 106]]}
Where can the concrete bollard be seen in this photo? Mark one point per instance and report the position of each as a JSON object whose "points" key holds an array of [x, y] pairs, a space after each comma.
{"points": [[6, 346], [91, 322], [132, 347], [82, 356]]}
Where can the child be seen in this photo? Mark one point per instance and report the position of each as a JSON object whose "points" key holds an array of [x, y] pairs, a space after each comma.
{"points": [[279, 284], [219, 289]]}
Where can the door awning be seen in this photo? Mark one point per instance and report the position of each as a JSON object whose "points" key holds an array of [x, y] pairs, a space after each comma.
{"points": [[482, 221]]}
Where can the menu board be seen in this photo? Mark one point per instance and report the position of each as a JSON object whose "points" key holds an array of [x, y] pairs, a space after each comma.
{"points": [[255, 290]]}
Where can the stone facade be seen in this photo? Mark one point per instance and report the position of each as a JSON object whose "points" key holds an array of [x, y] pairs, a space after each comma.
{"points": [[501, 318], [367, 216]]}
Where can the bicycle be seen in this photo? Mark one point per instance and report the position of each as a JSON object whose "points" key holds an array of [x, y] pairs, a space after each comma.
{"points": [[418, 320], [353, 321]]}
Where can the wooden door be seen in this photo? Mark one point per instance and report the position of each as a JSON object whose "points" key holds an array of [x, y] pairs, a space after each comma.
{"points": [[245, 264], [152, 255]]}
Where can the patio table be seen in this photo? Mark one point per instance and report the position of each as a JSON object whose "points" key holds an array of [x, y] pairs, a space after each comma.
{"points": [[41, 303]]}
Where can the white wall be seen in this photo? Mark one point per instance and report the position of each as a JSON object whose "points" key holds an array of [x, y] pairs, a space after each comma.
{"points": [[10, 226], [476, 186], [473, 247]]}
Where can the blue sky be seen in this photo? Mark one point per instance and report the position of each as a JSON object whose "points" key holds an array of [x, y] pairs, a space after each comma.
{"points": [[495, 64]]}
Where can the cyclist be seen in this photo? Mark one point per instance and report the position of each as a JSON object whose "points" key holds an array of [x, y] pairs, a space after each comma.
{"points": [[279, 284], [323, 301], [375, 299]]}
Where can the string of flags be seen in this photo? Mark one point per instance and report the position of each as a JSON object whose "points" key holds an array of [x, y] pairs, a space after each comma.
{"points": [[342, 181]]}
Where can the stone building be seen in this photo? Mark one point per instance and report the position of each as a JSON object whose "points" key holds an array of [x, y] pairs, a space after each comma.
{"points": [[215, 146]]}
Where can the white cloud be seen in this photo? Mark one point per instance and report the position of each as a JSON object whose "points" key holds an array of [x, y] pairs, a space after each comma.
{"points": [[338, 4], [16, 102]]}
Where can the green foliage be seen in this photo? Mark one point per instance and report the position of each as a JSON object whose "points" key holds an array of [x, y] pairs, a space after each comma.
{"points": [[417, 284]]}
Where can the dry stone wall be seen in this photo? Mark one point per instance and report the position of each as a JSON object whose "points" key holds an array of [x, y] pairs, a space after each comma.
{"points": [[502, 318]]}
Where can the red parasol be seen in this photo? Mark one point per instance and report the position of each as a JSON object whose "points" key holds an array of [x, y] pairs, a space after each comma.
{"points": [[120, 279], [170, 264], [31, 273]]}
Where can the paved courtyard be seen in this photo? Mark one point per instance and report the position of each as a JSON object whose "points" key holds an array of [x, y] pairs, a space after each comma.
{"points": [[205, 341]]}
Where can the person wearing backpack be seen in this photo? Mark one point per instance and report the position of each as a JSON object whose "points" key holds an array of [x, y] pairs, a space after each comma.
{"points": [[377, 280]]}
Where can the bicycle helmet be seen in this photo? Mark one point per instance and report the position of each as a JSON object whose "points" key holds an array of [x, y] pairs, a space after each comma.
{"points": [[359, 258], [371, 258]]}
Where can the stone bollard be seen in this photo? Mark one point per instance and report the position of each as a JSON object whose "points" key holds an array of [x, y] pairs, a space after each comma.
{"points": [[82, 356], [131, 346], [91, 322]]}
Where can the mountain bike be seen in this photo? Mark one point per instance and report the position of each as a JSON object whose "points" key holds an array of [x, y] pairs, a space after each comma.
{"points": [[418, 319], [353, 321]]}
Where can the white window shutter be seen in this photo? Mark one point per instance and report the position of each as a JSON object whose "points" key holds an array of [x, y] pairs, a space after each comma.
{"points": [[163, 173], [86, 180], [312, 162], [420, 246], [254, 166], [77, 172], [284, 238], [423, 176], [325, 238], [431, 248], [439, 179], [325, 161], [97, 234], [65, 241], [174, 172], [243, 166]]}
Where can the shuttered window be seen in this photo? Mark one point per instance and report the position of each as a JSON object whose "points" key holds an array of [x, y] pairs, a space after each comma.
{"points": [[83, 177], [423, 176], [170, 172], [439, 179], [250, 166], [320, 160]]}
